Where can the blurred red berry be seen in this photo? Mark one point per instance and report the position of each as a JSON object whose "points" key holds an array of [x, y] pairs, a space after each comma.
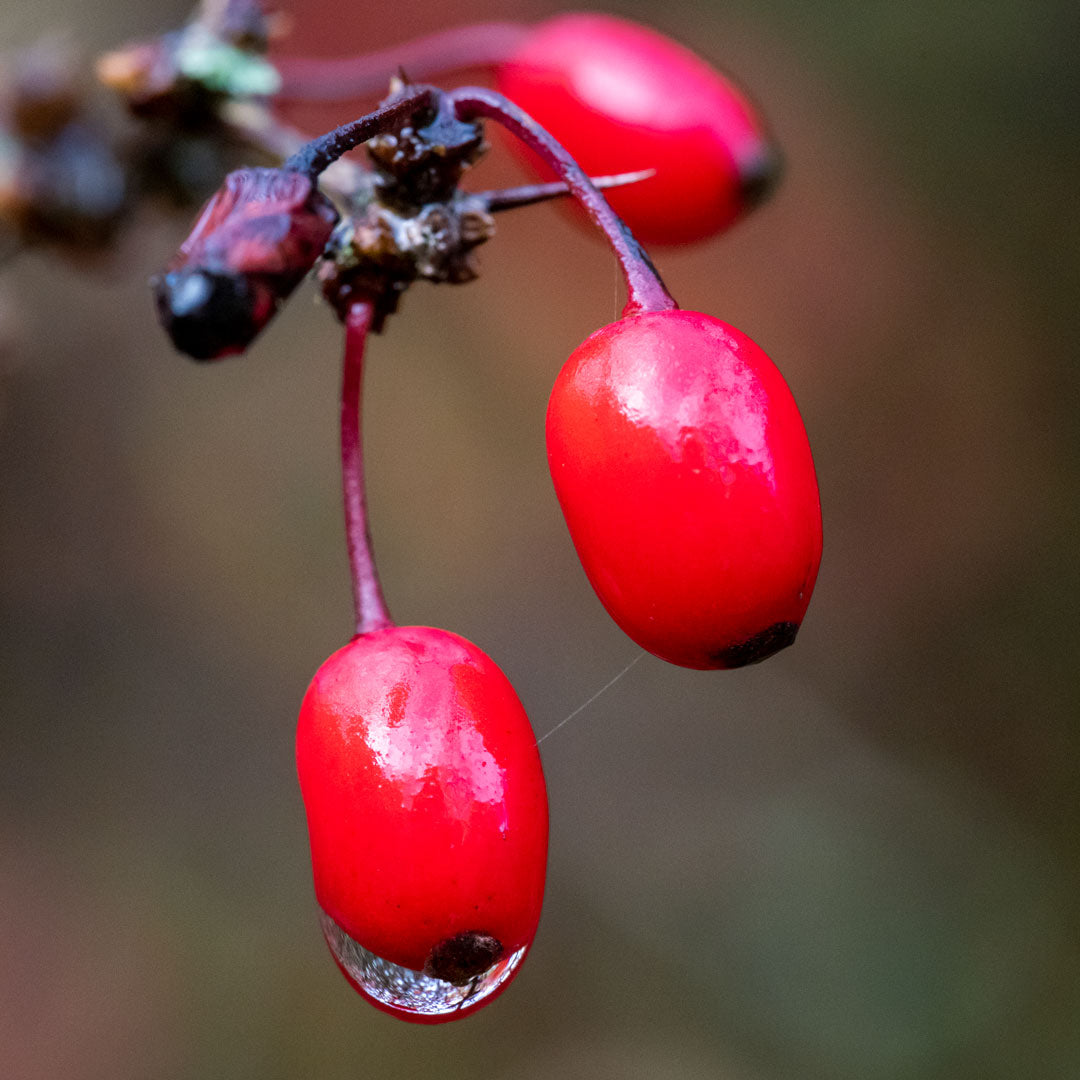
{"points": [[621, 97], [684, 472]]}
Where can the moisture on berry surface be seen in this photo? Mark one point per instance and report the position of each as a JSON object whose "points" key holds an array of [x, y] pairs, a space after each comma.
{"points": [[427, 814], [684, 472]]}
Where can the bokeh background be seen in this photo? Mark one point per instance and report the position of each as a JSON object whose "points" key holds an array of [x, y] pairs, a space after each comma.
{"points": [[856, 861]]}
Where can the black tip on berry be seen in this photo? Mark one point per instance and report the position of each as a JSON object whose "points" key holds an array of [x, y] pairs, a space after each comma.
{"points": [[760, 647], [461, 958], [207, 314], [759, 174]]}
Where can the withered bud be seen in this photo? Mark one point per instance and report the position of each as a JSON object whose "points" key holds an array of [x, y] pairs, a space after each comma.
{"points": [[185, 77], [254, 242]]}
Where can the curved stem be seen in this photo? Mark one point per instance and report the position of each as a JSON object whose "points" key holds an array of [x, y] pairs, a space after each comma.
{"points": [[371, 611], [322, 152], [257, 127], [645, 290], [346, 78]]}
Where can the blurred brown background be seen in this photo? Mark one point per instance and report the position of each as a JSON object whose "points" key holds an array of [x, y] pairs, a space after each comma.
{"points": [[855, 861]]}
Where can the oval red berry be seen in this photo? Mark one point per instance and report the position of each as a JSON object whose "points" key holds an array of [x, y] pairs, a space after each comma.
{"points": [[427, 814], [621, 97], [684, 472]]}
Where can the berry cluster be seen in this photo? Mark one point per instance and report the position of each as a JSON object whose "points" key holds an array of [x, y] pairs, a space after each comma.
{"points": [[676, 449]]}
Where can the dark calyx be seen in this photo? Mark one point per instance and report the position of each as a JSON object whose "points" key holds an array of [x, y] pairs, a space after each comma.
{"points": [[760, 647], [208, 314], [759, 174], [463, 957]]}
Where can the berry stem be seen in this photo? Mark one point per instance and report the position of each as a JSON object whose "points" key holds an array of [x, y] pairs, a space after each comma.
{"points": [[258, 127], [645, 290], [347, 78], [371, 611], [322, 152]]}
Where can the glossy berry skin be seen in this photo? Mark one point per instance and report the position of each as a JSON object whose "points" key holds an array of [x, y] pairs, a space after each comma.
{"points": [[684, 472], [621, 97], [426, 808]]}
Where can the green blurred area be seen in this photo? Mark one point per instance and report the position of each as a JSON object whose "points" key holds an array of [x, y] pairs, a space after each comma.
{"points": [[855, 861]]}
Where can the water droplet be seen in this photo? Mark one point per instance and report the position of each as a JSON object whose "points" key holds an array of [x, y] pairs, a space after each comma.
{"points": [[402, 989]]}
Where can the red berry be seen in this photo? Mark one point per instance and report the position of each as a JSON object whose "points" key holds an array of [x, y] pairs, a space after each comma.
{"points": [[621, 97], [684, 472], [428, 820]]}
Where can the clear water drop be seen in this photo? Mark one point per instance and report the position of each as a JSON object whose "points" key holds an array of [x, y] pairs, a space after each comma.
{"points": [[410, 991]]}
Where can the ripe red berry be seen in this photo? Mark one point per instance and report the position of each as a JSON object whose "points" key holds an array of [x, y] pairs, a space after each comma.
{"points": [[428, 820], [621, 97], [684, 471]]}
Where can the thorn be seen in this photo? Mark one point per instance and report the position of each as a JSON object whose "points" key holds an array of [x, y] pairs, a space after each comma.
{"points": [[512, 198]]}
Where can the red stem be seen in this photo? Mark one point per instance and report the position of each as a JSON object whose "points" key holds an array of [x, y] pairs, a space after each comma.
{"points": [[371, 611], [645, 290], [350, 77]]}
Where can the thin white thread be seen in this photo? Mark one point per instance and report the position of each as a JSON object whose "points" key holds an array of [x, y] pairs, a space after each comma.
{"points": [[606, 686]]}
